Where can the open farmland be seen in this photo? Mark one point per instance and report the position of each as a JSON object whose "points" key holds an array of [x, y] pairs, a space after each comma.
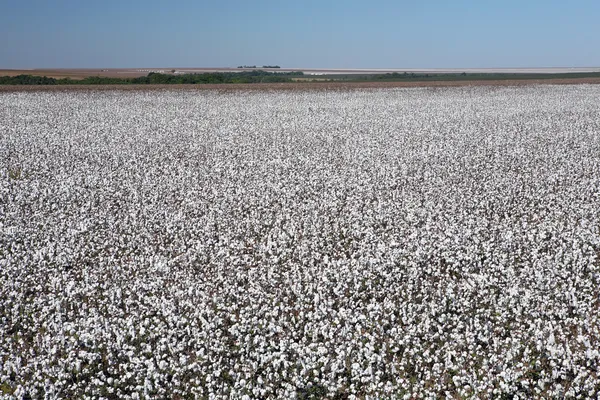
{"points": [[369, 243]]}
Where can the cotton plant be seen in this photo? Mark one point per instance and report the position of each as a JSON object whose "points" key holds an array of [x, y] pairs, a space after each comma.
{"points": [[360, 244]]}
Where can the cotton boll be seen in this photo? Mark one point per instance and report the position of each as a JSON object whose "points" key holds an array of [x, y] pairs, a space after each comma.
{"points": [[197, 240]]}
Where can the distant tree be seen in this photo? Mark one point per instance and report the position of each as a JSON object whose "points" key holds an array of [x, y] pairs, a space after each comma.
{"points": [[27, 80], [253, 76]]}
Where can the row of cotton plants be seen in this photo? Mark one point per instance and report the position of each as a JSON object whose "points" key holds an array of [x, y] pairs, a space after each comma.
{"points": [[399, 243]]}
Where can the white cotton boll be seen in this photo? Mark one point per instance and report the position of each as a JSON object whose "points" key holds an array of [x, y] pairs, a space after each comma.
{"points": [[197, 240]]}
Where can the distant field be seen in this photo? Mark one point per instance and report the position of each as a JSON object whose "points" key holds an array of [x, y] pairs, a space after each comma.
{"points": [[317, 73]]}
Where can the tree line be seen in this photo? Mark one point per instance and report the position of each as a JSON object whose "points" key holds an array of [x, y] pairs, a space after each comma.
{"points": [[154, 78]]}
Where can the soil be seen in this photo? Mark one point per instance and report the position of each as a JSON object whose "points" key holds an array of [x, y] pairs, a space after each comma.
{"points": [[303, 85]]}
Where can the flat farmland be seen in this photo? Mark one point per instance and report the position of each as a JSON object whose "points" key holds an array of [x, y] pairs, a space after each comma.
{"points": [[132, 72], [370, 242], [325, 78]]}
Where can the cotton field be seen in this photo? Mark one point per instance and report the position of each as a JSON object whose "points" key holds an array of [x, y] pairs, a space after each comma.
{"points": [[358, 244]]}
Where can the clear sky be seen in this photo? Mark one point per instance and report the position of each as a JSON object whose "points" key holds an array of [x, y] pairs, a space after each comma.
{"points": [[307, 33]]}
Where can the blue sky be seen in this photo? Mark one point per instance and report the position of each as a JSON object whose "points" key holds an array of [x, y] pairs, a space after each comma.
{"points": [[308, 33]]}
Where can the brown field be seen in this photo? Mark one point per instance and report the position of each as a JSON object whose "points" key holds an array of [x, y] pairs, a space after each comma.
{"points": [[78, 73], [304, 85]]}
